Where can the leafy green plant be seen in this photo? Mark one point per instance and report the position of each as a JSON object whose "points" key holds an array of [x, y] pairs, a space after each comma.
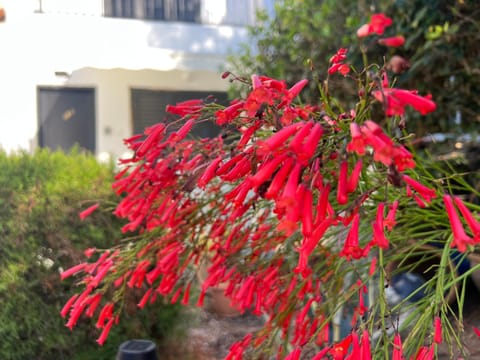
{"points": [[41, 196]]}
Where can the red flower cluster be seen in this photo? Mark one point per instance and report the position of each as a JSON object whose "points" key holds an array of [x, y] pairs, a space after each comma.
{"points": [[275, 191], [377, 25], [460, 238], [337, 63], [396, 100], [385, 150]]}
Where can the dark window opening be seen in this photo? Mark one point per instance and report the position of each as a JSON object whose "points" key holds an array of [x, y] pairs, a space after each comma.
{"points": [[148, 108], [66, 118], [165, 10]]}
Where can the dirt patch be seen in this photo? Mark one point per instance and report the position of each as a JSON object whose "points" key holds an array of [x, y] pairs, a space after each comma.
{"points": [[471, 341]]}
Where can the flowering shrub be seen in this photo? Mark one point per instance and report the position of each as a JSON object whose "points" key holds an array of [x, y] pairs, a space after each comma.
{"points": [[299, 208]]}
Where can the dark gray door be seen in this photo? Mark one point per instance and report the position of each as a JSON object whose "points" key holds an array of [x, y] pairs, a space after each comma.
{"points": [[66, 118]]}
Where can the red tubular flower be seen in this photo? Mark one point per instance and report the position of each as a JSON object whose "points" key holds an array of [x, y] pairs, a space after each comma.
{"points": [[307, 213], [297, 141], [293, 93], [358, 143], [354, 177], [473, 224], [265, 91], [373, 266], [186, 295], [66, 308], [426, 353], [337, 65], [175, 296], [267, 169], [256, 81], [460, 238], [364, 30], [322, 204], [279, 179], [228, 114], [382, 145], [339, 56], [179, 135], [106, 329], [279, 138], [396, 100], [73, 270], [351, 248], [295, 354], [366, 353], [402, 158], [308, 245], [288, 197], [394, 41], [227, 166], [342, 186], [88, 211], [247, 135], [89, 252], [425, 192], [355, 353], [321, 354], [437, 335], [423, 105], [311, 142], [377, 25], [343, 69], [379, 22], [340, 350], [240, 169], [185, 107], [143, 301], [379, 238], [397, 348], [154, 134], [477, 331], [295, 89], [94, 301], [389, 221], [75, 314], [101, 273], [209, 172]]}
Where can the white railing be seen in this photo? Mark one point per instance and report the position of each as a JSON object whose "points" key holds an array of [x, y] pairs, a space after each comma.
{"points": [[212, 12]]}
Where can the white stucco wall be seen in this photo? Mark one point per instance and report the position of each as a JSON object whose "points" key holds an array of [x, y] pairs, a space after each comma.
{"points": [[111, 55], [113, 98]]}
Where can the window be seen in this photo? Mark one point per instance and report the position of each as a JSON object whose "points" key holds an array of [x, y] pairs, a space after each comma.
{"points": [[167, 10], [148, 108]]}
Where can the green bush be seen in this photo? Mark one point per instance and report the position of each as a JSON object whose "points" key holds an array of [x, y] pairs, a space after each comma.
{"points": [[41, 234]]}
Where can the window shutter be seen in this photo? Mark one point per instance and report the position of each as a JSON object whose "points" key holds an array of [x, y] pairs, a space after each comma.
{"points": [[148, 108]]}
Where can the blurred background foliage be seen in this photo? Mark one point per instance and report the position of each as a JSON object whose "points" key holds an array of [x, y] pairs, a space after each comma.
{"points": [[41, 196], [441, 47]]}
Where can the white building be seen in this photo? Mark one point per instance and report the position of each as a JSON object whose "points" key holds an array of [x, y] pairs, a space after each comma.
{"points": [[94, 72]]}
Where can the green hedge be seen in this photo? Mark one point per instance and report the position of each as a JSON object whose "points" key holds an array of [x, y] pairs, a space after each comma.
{"points": [[41, 233]]}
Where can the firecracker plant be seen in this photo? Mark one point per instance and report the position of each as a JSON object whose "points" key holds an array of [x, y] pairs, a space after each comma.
{"points": [[299, 209]]}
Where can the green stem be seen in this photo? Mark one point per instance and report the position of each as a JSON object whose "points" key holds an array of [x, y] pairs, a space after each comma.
{"points": [[383, 303]]}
